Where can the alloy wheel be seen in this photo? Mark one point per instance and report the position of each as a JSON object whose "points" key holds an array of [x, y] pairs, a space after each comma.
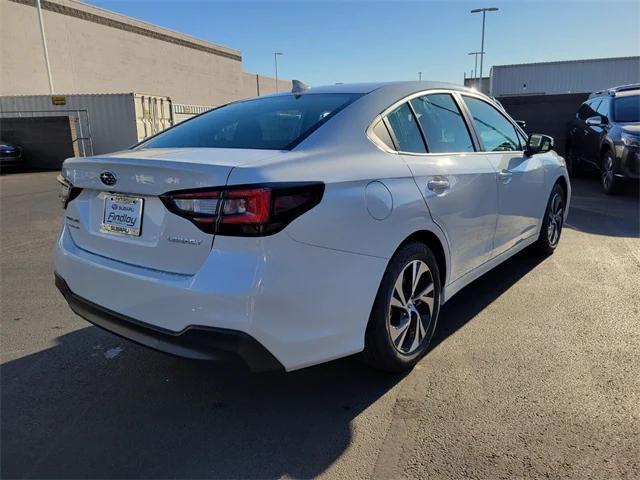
{"points": [[411, 307], [556, 217], [607, 171]]}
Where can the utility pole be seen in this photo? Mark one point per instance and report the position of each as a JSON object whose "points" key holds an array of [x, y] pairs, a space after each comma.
{"points": [[419, 76], [484, 14], [275, 59], [44, 46]]}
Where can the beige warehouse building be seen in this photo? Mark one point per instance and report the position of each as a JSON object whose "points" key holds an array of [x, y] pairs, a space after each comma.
{"points": [[92, 50]]}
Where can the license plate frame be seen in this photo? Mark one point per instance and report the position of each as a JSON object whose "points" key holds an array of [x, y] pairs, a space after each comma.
{"points": [[117, 215]]}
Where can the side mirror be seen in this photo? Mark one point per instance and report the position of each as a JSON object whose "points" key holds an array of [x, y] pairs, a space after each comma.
{"points": [[596, 121], [522, 124], [538, 143]]}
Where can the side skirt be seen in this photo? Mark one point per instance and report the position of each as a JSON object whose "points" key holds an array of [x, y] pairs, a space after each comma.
{"points": [[454, 287]]}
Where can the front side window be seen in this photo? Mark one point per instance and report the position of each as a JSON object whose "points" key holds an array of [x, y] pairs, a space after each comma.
{"points": [[271, 123], [405, 130], [523, 139], [627, 109], [442, 124], [496, 133], [587, 109], [603, 108]]}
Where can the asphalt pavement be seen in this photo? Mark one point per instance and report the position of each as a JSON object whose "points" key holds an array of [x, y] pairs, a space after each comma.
{"points": [[534, 373]]}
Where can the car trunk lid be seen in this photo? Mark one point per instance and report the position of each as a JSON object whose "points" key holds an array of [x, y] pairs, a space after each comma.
{"points": [[119, 215]]}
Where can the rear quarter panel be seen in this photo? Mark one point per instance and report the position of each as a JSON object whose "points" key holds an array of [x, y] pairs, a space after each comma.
{"points": [[343, 220]]}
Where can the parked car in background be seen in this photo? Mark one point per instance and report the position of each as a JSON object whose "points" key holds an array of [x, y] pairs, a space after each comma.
{"points": [[605, 134], [10, 155], [301, 227]]}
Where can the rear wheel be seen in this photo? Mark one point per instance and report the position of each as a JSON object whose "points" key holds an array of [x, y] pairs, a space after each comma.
{"points": [[404, 314], [610, 183], [552, 222]]}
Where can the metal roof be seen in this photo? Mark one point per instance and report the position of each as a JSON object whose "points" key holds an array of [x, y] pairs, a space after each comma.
{"points": [[575, 76], [557, 62]]}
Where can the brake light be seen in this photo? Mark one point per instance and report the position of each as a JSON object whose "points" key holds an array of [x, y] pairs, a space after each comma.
{"points": [[252, 210], [246, 206]]}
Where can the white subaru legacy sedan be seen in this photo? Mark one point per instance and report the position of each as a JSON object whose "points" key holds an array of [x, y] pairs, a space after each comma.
{"points": [[297, 228]]}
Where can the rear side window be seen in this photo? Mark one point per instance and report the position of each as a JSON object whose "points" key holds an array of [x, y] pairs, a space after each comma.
{"points": [[405, 130], [497, 134], [380, 130], [627, 109], [271, 123], [442, 124]]}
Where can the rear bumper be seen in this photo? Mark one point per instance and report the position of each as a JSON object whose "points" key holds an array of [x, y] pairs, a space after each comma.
{"points": [[10, 160], [304, 304], [197, 342]]}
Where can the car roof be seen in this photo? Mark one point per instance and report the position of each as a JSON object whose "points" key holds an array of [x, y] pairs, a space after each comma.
{"points": [[408, 86], [391, 89], [619, 91], [628, 93]]}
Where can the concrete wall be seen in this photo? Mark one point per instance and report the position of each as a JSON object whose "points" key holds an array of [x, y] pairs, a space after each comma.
{"points": [[46, 141], [254, 84], [93, 50], [546, 114]]}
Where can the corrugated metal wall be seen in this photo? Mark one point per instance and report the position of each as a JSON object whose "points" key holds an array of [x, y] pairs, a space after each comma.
{"points": [[580, 76], [546, 114], [182, 112], [108, 122]]}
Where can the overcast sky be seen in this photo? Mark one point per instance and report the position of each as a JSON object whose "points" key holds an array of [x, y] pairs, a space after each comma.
{"points": [[327, 42]]}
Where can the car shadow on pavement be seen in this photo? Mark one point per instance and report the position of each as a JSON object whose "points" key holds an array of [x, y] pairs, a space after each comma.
{"points": [[96, 406], [591, 211], [476, 296]]}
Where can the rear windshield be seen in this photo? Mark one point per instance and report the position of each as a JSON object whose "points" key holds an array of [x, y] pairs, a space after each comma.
{"points": [[627, 109], [271, 123]]}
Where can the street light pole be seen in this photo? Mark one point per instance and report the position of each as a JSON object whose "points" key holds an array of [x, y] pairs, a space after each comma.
{"points": [[475, 67], [484, 14], [419, 76], [275, 59], [44, 46]]}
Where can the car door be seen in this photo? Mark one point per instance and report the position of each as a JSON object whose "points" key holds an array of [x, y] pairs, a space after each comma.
{"points": [[519, 178], [457, 183], [597, 133], [587, 138]]}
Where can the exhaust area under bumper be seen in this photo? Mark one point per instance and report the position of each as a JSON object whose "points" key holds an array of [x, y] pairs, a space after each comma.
{"points": [[196, 342]]}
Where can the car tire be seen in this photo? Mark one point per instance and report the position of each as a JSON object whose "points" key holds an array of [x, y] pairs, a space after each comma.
{"points": [[552, 222], [610, 183], [405, 311]]}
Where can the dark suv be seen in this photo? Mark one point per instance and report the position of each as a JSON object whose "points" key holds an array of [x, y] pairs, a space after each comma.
{"points": [[605, 134]]}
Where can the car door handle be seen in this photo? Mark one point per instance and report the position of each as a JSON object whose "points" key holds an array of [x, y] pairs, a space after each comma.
{"points": [[505, 176], [586, 132], [439, 185]]}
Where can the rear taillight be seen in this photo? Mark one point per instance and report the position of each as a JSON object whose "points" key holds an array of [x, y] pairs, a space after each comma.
{"points": [[67, 191], [251, 210]]}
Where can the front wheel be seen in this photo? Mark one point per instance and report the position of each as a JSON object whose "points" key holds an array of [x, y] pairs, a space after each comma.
{"points": [[404, 313], [610, 182], [552, 222]]}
